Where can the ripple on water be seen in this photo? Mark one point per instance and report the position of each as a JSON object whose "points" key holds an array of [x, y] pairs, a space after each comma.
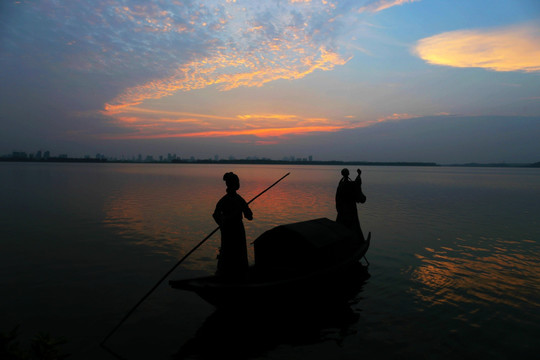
{"points": [[481, 272]]}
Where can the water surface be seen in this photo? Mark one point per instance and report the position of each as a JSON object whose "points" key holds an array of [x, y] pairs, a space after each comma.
{"points": [[454, 262]]}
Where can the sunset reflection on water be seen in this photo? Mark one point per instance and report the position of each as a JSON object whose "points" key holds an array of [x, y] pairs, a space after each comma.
{"points": [[174, 215], [493, 271]]}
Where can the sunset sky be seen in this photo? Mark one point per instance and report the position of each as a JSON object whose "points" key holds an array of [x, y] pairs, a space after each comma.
{"points": [[372, 80]]}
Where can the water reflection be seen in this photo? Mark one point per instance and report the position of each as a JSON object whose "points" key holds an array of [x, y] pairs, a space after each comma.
{"points": [[492, 271], [244, 336], [247, 334]]}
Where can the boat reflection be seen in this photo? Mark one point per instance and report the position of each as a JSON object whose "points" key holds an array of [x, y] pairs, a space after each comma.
{"points": [[254, 332]]}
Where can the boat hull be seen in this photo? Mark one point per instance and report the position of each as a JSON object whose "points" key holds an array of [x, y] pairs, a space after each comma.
{"points": [[334, 282]]}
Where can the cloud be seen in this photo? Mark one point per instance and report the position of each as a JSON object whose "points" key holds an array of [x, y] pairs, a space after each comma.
{"points": [[396, 116], [270, 127], [259, 133], [231, 70], [251, 45], [505, 49], [262, 128], [380, 5]]}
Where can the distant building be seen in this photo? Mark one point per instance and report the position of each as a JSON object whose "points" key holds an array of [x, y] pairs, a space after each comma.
{"points": [[19, 155]]}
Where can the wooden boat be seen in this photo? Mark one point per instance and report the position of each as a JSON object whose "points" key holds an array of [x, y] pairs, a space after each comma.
{"points": [[307, 261]]}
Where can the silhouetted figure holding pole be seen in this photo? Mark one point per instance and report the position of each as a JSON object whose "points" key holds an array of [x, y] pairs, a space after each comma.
{"points": [[232, 259], [347, 195]]}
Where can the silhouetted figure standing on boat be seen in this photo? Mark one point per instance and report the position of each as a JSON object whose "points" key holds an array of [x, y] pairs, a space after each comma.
{"points": [[233, 259], [349, 193]]}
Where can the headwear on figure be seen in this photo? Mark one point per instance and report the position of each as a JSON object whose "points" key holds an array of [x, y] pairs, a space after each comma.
{"points": [[232, 181]]}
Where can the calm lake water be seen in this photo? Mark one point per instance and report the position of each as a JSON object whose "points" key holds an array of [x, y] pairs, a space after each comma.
{"points": [[454, 261]]}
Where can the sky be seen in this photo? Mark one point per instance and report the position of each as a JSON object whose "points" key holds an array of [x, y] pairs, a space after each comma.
{"points": [[368, 80]]}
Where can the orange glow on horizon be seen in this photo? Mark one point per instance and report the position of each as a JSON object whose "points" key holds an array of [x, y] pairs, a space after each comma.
{"points": [[160, 124], [261, 133], [147, 123]]}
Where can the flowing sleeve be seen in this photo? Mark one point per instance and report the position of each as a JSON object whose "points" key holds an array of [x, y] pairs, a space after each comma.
{"points": [[359, 194], [248, 214]]}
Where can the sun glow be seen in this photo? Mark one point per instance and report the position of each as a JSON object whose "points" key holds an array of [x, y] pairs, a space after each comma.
{"points": [[161, 130], [264, 128]]}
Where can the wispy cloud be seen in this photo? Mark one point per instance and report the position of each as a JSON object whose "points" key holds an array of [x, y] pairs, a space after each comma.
{"points": [[505, 49], [232, 69], [258, 133], [396, 116], [246, 44], [261, 128], [380, 5], [250, 45], [138, 111], [256, 44], [269, 127]]}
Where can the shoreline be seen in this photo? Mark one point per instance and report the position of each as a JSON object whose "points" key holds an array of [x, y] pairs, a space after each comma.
{"points": [[271, 162]]}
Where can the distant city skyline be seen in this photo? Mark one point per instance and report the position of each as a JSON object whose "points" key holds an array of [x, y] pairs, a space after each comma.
{"points": [[169, 157], [374, 80], [47, 156]]}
